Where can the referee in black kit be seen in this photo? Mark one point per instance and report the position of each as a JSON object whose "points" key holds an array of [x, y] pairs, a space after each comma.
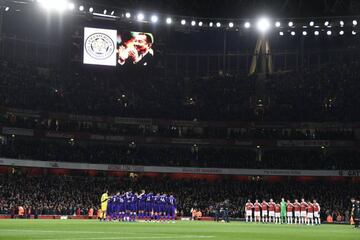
{"points": [[352, 209], [356, 214]]}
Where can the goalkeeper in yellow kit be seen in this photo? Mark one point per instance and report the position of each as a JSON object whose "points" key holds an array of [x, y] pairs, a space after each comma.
{"points": [[104, 202]]}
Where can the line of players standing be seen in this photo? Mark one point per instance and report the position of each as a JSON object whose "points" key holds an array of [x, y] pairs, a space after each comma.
{"points": [[283, 212], [130, 206]]}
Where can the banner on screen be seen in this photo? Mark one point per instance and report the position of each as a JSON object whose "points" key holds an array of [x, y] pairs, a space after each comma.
{"points": [[100, 46]]}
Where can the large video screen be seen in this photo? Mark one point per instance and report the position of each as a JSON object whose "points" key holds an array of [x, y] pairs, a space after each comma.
{"points": [[112, 48]]}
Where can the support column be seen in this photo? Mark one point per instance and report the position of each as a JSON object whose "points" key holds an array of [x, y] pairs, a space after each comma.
{"points": [[262, 57]]}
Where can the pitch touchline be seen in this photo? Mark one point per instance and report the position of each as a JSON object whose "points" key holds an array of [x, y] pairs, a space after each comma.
{"points": [[159, 235], [152, 237], [54, 231]]}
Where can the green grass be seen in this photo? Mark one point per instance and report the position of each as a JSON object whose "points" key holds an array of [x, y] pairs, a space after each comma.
{"points": [[94, 230]]}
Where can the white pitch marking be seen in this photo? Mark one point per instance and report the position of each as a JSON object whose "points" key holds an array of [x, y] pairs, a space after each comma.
{"points": [[54, 231], [99, 238], [123, 237]]}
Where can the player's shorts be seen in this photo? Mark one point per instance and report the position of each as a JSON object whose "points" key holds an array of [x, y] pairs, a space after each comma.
{"points": [[171, 211], [257, 214], [162, 209], [103, 207], [264, 213], [109, 209], [121, 208], [133, 208], [277, 215], [310, 215], [271, 213], [148, 207], [249, 213], [297, 213], [316, 214], [289, 214], [141, 207], [156, 208], [303, 214], [116, 209]]}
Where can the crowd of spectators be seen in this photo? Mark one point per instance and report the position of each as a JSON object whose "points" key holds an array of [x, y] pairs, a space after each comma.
{"points": [[329, 92], [184, 156], [48, 194], [326, 94], [165, 130]]}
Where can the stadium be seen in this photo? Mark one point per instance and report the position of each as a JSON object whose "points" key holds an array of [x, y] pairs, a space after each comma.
{"points": [[179, 119]]}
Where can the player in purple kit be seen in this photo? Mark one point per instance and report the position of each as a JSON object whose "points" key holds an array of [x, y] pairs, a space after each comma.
{"points": [[121, 206], [156, 207], [116, 209], [149, 204], [128, 199], [141, 205], [133, 207], [171, 208], [162, 207], [111, 208]]}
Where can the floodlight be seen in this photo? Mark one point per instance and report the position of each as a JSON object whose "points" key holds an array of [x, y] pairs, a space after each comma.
{"points": [[71, 6], [231, 24], [154, 18], [263, 24], [183, 22], [58, 5], [247, 25], [168, 20], [140, 16], [128, 15]]}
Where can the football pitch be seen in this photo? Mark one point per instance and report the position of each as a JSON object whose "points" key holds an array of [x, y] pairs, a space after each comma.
{"points": [[94, 230]]}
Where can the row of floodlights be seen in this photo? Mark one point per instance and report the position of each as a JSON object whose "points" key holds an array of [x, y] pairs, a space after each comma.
{"points": [[316, 33], [263, 24]]}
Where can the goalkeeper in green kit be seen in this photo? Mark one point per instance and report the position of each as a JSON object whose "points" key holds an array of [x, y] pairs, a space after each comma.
{"points": [[283, 210]]}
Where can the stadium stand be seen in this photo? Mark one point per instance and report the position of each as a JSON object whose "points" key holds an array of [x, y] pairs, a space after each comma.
{"points": [[63, 195]]}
